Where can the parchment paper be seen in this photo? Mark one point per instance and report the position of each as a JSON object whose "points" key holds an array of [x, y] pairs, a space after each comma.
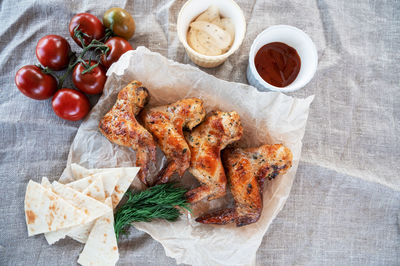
{"points": [[266, 118]]}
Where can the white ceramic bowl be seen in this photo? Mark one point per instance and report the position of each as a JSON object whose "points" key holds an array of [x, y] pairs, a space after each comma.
{"points": [[293, 37], [227, 8]]}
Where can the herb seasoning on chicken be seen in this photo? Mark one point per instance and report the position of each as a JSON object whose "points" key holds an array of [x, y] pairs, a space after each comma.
{"points": [[166, 123], [206, 142], [120, 126], [247, 170]]}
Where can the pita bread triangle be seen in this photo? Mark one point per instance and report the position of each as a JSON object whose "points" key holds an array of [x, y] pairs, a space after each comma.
{"points": [[96, 191], [123, 184], [125, 175], [88, 205], [46, 211], [82, 184], [91, 207], [46, 183], [109, 176], [101, 247]]}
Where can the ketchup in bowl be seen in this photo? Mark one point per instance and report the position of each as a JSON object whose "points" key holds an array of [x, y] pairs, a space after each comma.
{"points": [[277, 63]]}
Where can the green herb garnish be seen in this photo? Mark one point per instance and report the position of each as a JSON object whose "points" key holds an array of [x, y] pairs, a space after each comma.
{"points": [[158, 202]]}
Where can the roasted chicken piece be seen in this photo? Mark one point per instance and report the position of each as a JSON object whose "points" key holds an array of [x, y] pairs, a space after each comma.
{"points": [[166, 123], [206, 142], [247, 170], [120, 126]]}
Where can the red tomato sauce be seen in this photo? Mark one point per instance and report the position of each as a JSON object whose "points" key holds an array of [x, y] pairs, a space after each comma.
{"points": [[277, 63]]}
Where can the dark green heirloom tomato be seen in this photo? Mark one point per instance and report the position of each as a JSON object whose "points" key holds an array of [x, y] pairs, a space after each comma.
{"points": [[120, 22]]}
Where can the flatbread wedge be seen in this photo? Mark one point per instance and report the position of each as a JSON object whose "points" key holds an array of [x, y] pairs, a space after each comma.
{"points": [[81, 184], [91, 207], [123, 184], [109, 176], [116, 190], [46, 183], [101, 247], [81, 233], [45, 211]]}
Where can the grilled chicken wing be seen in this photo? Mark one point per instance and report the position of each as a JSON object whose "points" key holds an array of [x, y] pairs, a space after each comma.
{"points": [[246, 171], [166, 123], [119, 125], [206, 142]]}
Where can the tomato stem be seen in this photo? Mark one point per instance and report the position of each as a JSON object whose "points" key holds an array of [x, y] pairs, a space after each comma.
{"points": [[97, 45], [109, 33], [72, 62]]}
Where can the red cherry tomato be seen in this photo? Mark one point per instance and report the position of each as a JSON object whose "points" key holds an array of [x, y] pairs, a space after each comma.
{"points": [[118, 46], [53, 51], [89, 24], [32, 82], [70, 104], [91, 82]]}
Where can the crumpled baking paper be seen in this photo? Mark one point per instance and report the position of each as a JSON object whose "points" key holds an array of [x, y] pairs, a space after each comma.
{"points": [[267, 118]]}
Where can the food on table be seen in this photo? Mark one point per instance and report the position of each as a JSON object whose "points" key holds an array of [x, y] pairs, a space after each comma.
{"points": [[120, 126], [277, 63], [101, 246], [53, 51], [120, 22], [110, 177], [118, 46], [209, 34], [89, 81], [80, 200], [34, 83], [46, 211], [116, 180], [247, 170], [162, 201], [90, 206], [80, 210], [206, 142], [166, 124], [70, 104], [80, 233], [89, 25]]}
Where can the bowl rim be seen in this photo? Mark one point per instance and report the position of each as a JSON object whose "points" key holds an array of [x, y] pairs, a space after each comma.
{"points": [[265, 84], [215, 57]]}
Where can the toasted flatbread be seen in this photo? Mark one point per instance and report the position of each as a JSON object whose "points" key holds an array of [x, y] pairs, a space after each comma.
{"points": [[91, 207], [46, 183], [91, 186], [101, 247], [46, 211], [109, 176], [123, 184], [125, 175], [96, 191]]}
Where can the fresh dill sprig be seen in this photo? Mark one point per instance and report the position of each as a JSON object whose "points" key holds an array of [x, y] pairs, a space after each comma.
{"points": [[158, 202]]}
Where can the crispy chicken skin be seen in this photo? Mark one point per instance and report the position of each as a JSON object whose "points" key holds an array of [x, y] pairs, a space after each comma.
{"points": [[247, 170], [166, 123], [120, 126], [206, 142]]}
